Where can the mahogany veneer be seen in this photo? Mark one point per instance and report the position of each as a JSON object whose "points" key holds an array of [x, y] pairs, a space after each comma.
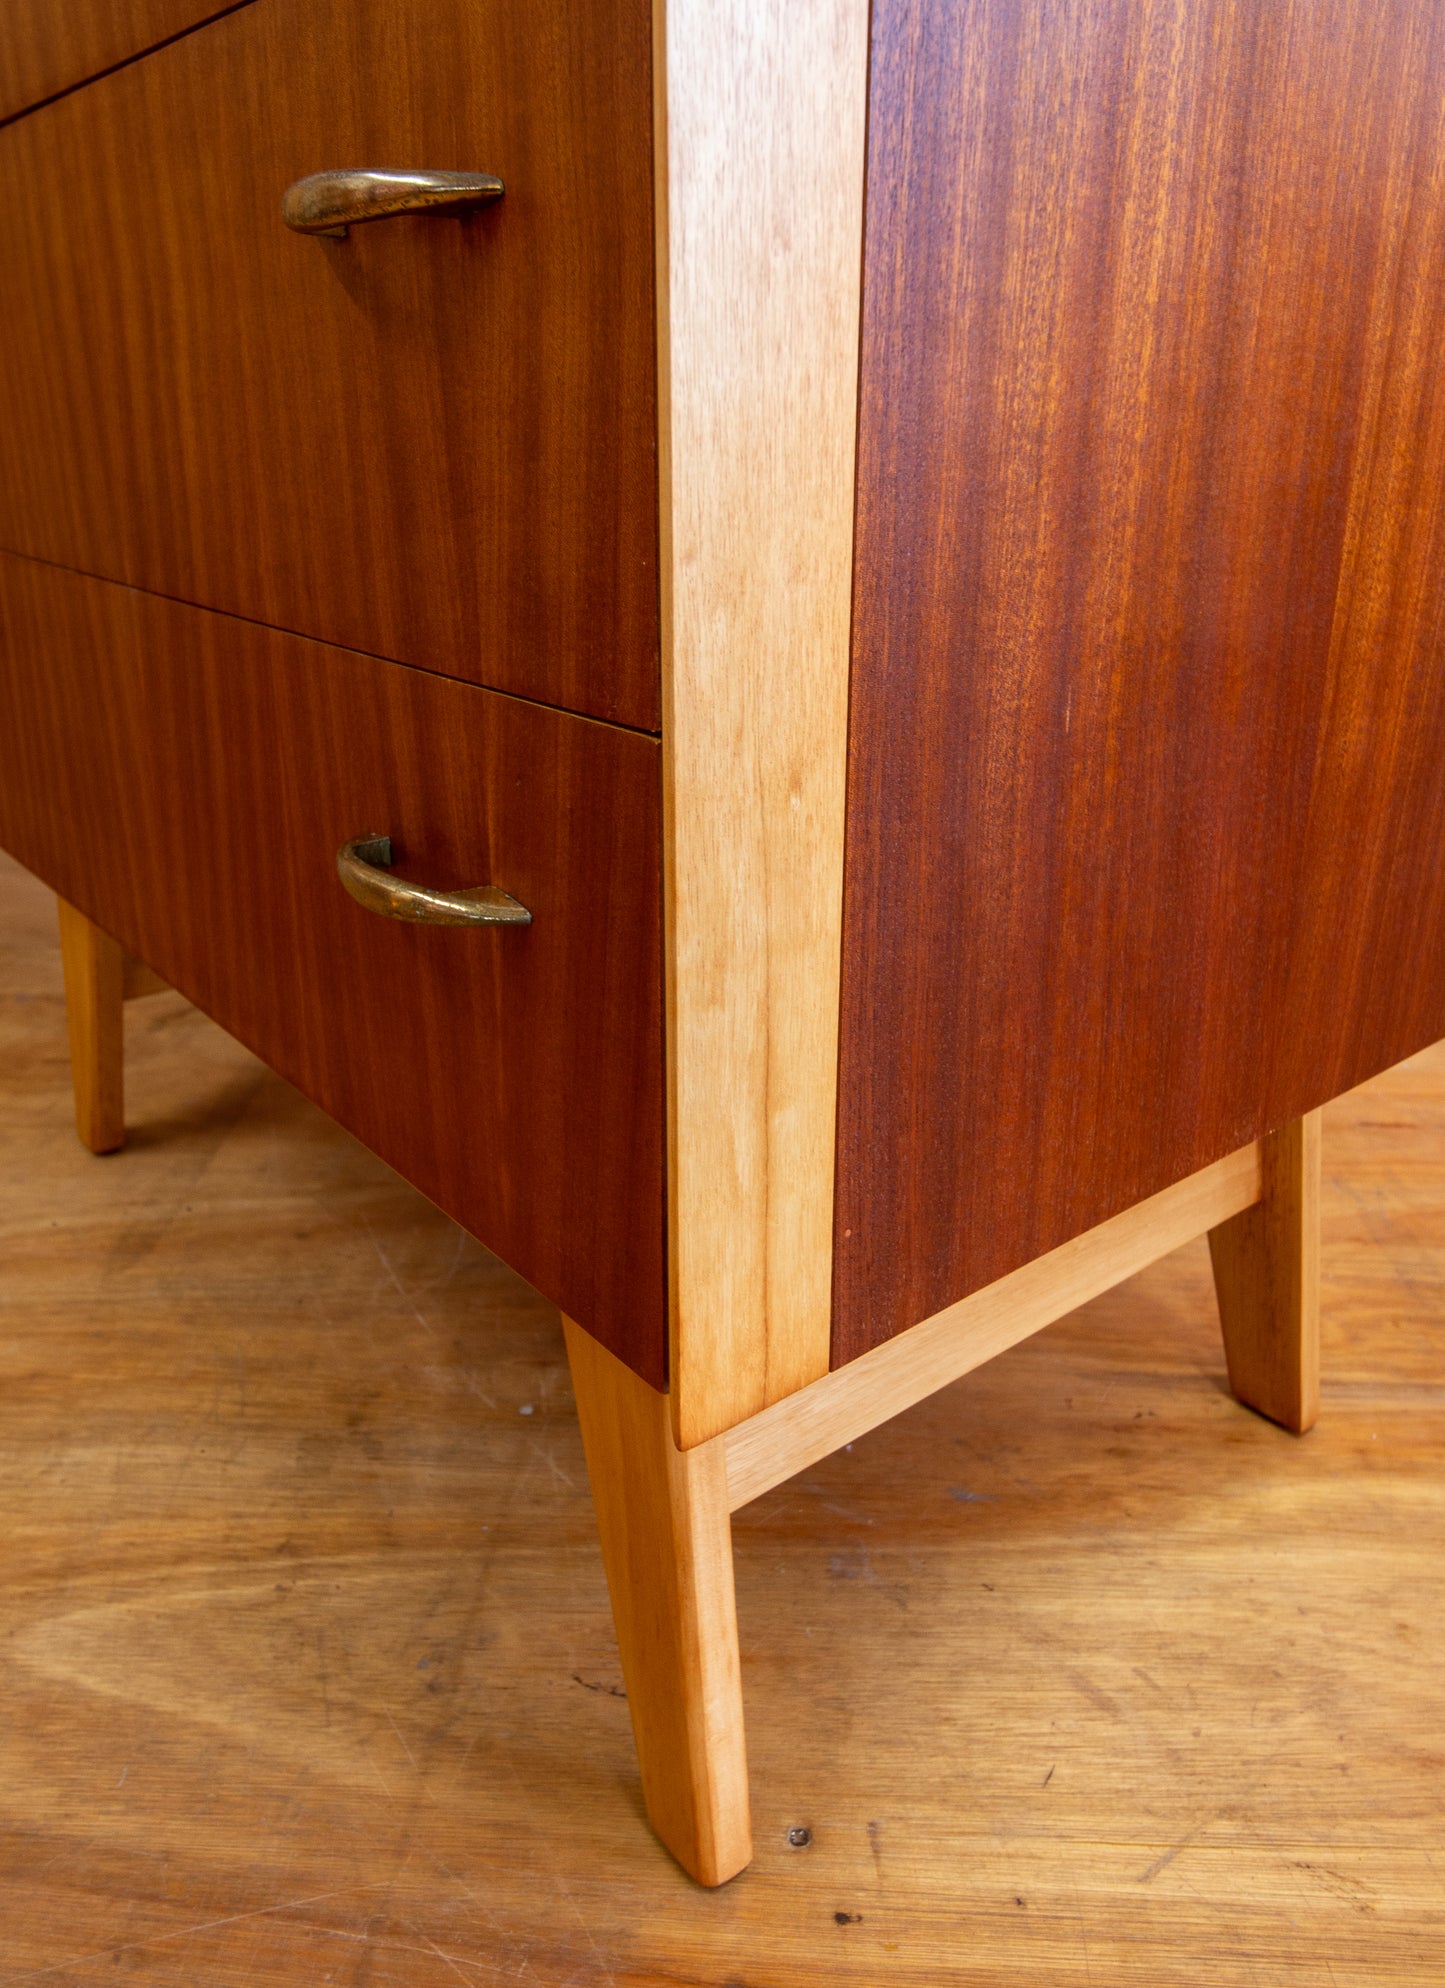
{"points": [[1146, 782], [186, 779], [435, 441], [53, 45]]}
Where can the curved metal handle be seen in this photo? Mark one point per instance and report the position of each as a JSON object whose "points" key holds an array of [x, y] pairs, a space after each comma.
{"points": [[330, 203], [362, 866]]}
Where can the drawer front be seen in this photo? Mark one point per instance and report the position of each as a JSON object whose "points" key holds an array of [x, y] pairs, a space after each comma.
{"points": [[51, 45], [434, 440], [186, 779]]}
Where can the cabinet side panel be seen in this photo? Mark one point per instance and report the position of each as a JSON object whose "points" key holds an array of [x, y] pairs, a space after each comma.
{"points": [[1147, 751]]}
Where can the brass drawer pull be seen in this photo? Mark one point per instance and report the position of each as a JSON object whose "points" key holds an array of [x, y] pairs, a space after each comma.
{"points": [[362, 866], [330, 203]]}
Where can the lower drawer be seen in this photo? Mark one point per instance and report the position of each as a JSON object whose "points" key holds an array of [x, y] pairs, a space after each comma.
{"points": [[186, 780]]}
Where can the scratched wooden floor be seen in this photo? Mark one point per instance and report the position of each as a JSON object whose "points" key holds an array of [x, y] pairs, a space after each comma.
{"points": [[1077, 1674]]}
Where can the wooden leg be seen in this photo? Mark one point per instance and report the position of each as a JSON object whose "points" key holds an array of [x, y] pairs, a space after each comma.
{"points": [[94, 967], [1267, 1275], [667, 1547]]}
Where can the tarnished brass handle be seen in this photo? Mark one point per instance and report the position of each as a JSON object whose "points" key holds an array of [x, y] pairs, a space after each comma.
{"points": [[330, 203], [362, 866]]}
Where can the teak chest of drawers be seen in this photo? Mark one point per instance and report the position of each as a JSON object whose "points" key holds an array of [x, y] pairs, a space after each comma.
{"points": [[898, 552]]}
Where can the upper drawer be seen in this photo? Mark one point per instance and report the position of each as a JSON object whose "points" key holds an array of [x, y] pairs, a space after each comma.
{"points": [[434, 440], [186, 779], [51, 45]]}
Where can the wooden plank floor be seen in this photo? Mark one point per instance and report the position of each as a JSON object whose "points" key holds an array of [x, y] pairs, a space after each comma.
{"points": [[1078, 1673]]}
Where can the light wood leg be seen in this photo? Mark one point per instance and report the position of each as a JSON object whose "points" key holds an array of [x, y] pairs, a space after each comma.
{"points": [[94, 966], [667, 1547], [1267, 1275]]}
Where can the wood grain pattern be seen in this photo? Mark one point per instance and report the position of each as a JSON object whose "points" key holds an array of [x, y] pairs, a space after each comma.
{"points": [[1148, 724], [662, 1515], [186, 780], [760, 203], [434, 441], [94, 966], [304, 1633], [51, 45], [853, 1399], [1267, 1276]]}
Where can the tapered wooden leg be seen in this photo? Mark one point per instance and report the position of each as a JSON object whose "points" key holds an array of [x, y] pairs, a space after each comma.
{"points": [[667, 1547], [1267, 1276], [94, 967]]}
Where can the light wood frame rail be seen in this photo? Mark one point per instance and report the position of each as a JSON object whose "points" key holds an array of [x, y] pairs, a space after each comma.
{"points": [[760, 114], [784, 1439], [663, 1511]]}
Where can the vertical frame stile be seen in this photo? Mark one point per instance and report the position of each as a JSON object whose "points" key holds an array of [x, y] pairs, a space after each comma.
{"points": [[760, 141]]}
